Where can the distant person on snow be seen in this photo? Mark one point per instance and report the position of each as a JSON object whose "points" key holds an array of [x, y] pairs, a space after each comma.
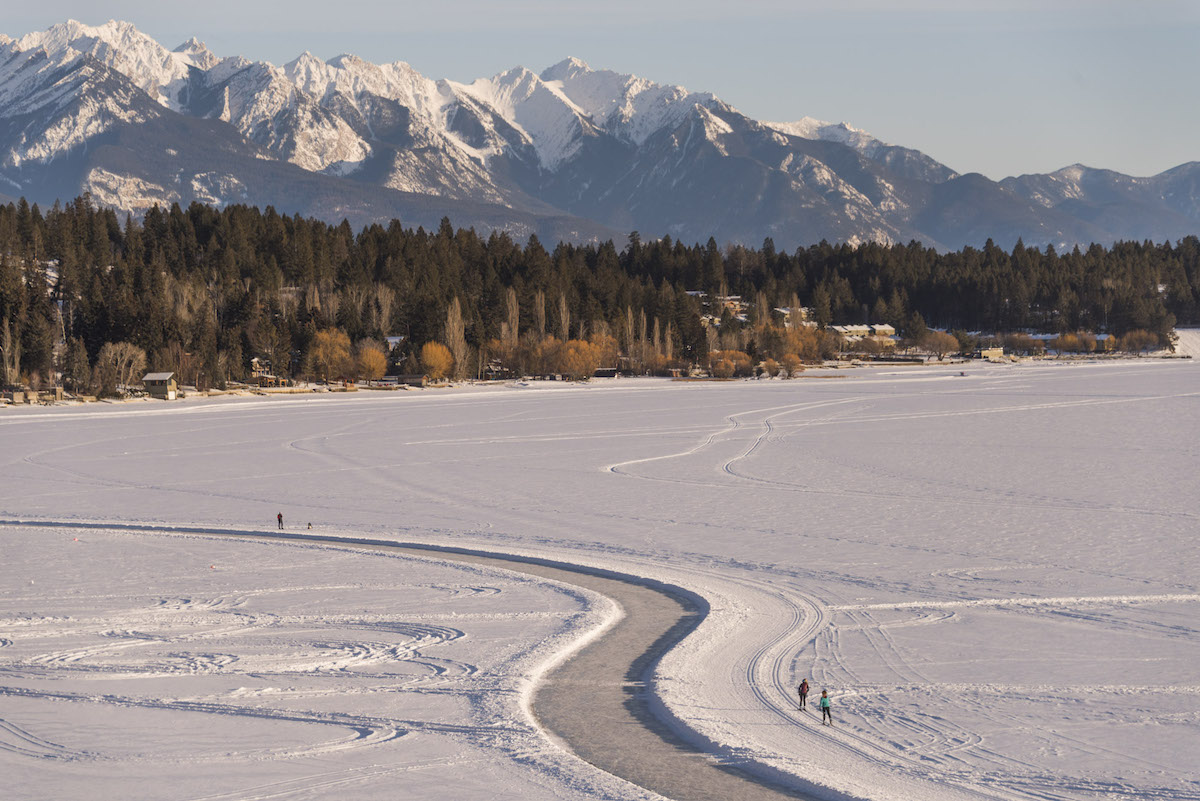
{"points": [[826, 712], [803, 690], [279, 517]]}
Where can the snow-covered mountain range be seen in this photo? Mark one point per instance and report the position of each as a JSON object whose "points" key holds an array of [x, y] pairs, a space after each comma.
{"points": [[571, 153]]}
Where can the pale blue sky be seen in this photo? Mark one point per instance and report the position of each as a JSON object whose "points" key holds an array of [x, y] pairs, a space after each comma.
{"points": [[1001, 87]]}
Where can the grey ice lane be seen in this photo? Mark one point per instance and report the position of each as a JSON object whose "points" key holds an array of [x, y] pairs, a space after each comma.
{"points": [[596, 702]]}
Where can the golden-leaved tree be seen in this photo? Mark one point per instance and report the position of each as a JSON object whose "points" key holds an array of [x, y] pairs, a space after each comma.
{"points": [[330, 353], [578, 359], [736, 358], [372, 361], [437, 360]]}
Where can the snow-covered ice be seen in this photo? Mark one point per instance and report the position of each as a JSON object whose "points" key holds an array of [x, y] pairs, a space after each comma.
{"points": [[994, 574]]}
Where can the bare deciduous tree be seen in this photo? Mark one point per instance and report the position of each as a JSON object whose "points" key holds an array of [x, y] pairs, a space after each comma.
{"points": [[119, 365], [456, 339], [356, 297], [939, 343], [539, 313], [564, 318], [512, 318], [383, 311], [10, 355]]}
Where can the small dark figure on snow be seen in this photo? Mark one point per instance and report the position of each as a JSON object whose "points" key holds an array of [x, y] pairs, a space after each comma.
{"points": [[826, 712], [803, 690], [279, 517]]}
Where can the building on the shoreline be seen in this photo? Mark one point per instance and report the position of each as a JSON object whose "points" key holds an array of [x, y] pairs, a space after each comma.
{"points": [[852, 333], [261, 375], [161, 385]]}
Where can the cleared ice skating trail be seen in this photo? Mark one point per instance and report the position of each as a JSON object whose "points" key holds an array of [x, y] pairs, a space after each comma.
{"points": [[598, 702]]}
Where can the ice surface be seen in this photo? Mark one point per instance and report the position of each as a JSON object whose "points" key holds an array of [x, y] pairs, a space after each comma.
{"points": [[170, 666], [994, 575]]}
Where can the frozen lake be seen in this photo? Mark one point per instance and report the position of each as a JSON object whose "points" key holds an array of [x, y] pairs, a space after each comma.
{"points": [[994, 575]]}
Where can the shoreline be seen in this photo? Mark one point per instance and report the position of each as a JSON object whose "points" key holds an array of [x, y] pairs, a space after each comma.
{"points": [[825, 371]]}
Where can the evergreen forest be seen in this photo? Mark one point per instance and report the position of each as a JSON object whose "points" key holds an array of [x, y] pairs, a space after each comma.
{"points": [[202, 291]]}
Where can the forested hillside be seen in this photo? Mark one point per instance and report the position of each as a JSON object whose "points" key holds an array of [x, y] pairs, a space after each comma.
{"points": [[202, 290]]}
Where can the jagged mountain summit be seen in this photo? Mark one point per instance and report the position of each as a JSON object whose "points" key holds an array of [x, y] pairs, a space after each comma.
{"points": [[572, 152]]}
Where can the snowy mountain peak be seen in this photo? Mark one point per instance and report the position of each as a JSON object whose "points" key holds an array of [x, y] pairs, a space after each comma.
{"points": [[122, 47], [66, 33], [197, 53], [108, 42], [305, 58], [612, 148], [550, 120], [305, 68], [348, 61], [513, 75], [627, 106], [1072, 172], [811, 128], [565, 69]]}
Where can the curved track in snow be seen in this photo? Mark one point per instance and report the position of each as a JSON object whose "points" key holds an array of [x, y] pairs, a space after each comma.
{"points": [[599, 701]]}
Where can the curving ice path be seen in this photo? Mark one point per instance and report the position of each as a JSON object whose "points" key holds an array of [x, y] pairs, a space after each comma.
{"points": [[635, 696], [993, 573], [599, 701], [596, 697]]}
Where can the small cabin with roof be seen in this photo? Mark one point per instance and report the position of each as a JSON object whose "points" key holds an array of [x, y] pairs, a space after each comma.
{"points": [[992, 354], [161, 385]]}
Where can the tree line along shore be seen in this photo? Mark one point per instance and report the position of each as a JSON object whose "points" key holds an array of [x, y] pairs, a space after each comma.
{"points": [[220, 294]]}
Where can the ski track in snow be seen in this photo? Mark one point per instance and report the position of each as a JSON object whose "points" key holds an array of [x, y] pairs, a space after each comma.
{"points": [[17, 740], [156, 638], [1007, 500]]}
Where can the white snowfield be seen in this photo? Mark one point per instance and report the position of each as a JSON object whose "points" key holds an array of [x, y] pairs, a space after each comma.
{"points": [[994, 575]]}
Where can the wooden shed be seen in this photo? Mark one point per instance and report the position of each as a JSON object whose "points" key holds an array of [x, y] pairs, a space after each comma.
{"points": [[161, 385]]}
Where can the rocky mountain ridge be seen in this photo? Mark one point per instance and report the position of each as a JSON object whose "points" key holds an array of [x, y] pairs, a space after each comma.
{"points": [[572, 153]]}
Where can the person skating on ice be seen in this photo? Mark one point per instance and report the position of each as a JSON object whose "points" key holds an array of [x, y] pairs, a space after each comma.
{"points": [[803, 690], [826, 712], [279, 518]]}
